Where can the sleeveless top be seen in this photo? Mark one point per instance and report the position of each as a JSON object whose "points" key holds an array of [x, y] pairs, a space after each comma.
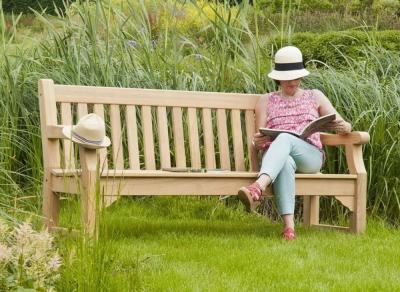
{"points": [[293, 114]]}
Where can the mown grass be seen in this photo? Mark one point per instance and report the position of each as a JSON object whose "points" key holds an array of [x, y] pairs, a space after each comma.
{"points": [[100, 45], [191, 244]]}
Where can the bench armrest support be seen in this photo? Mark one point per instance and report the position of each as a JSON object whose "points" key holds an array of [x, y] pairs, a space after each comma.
{"points": [[357, 138]]}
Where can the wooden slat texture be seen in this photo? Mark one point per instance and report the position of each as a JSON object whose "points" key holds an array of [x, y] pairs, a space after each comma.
{"points": [[82, 110], [149, 159], [223, 139], [179, 139], [237, 140], [133, 145], [209, 150], [351, 138], [163, 140], [66, 119], [98, 109], [250, 130], [116, 137], [51, 151], [135, 96], [159, 173], [142, 182], [194, 138]]}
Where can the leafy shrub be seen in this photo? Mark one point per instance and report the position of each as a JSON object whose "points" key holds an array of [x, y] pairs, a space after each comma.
{"points": [[24, 6], [333, 48], [353, 6]]}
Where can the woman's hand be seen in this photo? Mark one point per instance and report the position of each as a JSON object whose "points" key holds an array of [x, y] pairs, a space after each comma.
{"points": [[260, 141], [340, 126]]}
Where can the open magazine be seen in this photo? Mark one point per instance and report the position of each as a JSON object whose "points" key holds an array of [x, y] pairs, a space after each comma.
{"points": [[314, 126]]}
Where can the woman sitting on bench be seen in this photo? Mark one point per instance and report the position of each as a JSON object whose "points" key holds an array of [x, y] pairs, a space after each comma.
{"points": [[290, 108]]}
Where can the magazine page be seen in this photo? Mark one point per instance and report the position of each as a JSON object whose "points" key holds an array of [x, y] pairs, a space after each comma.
{"points": [[275, 132], [317, 125]]}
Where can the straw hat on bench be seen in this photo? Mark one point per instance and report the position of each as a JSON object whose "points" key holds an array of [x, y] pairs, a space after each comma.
{"points": [[90, 132]]}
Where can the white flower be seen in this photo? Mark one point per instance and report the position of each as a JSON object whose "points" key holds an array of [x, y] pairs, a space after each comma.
{"points": [[3, 230], [5, 253], [55, 262]]}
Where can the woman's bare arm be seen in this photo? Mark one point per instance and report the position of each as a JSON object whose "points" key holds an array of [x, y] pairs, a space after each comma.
{"points": [[325, 108], [261, 141]]}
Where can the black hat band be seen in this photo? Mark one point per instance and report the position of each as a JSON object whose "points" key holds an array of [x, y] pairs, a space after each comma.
{"points": [[289, 66]]}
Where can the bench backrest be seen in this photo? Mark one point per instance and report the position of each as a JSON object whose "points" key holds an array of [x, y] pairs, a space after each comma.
{"points": [[151, 129]]}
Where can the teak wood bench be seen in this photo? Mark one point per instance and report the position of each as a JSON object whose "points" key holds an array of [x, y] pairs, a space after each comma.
{"points": [[155, 129]]}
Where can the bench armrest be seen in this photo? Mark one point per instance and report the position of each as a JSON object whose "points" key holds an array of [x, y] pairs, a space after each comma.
{"points": [[356, 138], [353, 147]]}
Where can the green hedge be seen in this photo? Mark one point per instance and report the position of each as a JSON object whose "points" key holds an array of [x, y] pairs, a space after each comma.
{"points": [[23, 6], [333, 48]]}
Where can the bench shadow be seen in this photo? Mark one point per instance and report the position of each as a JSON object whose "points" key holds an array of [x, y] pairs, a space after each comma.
{"points": [[137, 229]]}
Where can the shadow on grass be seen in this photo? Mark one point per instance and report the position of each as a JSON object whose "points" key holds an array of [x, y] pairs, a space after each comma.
{"points": [[119, 228]]}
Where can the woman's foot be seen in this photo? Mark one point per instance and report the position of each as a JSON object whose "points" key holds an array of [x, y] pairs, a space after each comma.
{"points": [[250, 196], [288, 234]]}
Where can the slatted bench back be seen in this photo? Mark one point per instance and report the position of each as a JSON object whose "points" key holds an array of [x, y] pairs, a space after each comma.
{"points": [[154, 129]]}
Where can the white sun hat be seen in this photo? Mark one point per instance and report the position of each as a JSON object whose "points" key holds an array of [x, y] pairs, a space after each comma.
{"points": [[90, 131], [288, 64]]}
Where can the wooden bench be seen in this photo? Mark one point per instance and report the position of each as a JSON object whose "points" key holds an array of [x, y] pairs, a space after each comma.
{"points": [[155, 129]]}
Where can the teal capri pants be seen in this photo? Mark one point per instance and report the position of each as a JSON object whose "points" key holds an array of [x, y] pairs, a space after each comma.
{"points": [[286, 155]]}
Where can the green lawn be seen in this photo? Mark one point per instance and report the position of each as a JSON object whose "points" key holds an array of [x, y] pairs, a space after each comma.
{"points": [[191, 244]]}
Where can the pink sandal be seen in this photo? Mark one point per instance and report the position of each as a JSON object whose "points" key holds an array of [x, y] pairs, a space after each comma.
{"points": [[288, 234], [250, 196]]}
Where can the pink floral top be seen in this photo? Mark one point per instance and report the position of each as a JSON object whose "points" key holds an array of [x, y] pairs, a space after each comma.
{"points": [[293, 114]]}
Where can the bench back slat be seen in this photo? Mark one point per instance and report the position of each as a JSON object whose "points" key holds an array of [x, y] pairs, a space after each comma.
{"points": [[250, 130], [148, 142], [116, 137], [208, 136], [68, 149], [223, 139], [99, 110], [132, 137], [153, 97], [154, 129], [237, 140], [163, 138], [194, 146], [179, 138], [82, 110]]}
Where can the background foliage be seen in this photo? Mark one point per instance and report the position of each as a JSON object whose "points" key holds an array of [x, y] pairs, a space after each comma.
{"points": [[193, 46], [26, 6]]}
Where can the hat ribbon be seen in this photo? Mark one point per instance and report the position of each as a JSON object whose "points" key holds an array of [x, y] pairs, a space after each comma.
{"points": [[289, 66], [84, 140]]}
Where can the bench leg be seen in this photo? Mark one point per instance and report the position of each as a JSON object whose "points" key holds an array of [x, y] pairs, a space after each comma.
{"points": [[89, 194], [358, 217], [51, 203], [311, 210]]}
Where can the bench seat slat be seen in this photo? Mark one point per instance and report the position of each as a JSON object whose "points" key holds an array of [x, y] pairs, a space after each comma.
{"points": [[157, 173], [142, 183]]}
